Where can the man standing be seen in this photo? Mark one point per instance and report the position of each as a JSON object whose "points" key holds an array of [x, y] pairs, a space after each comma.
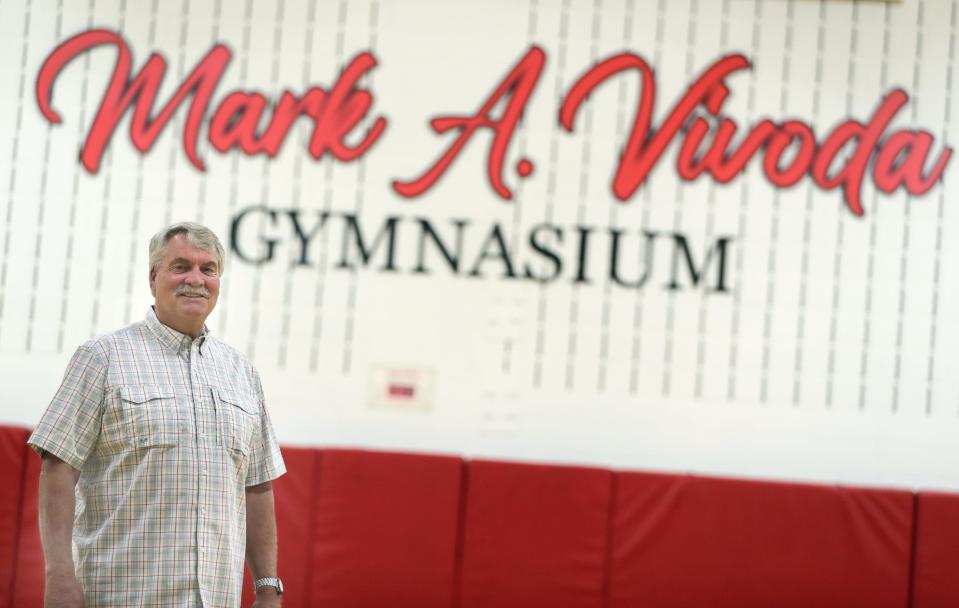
{"points": [[158, 454]]}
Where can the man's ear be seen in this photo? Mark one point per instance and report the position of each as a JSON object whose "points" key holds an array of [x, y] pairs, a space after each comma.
{"points": [[153, 278]]}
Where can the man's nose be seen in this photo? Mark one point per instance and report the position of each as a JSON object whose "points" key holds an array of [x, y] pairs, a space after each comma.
{"points": [[195, 277]]}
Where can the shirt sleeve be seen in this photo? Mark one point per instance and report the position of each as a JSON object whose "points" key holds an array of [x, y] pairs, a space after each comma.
{"points": [[266, 462], [71, 424]]}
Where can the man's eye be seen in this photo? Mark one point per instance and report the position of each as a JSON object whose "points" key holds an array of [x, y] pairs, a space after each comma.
{"points": [[210, 271], [178, 268]]}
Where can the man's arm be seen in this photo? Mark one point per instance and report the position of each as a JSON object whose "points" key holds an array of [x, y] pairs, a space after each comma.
{"points": [[57, 483], [261, 540]]}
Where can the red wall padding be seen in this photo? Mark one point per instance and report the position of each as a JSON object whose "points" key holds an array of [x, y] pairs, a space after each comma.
{"points": [[384, 530], [936, 570], [12, 451], [294, 495], [534, 536], [685, 541], [28, 585], [371, 529]]}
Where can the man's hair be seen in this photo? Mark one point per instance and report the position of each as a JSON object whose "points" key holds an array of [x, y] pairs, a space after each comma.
{"points": [[196, 234]]}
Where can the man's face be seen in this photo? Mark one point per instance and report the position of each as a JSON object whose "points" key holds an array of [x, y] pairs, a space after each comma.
{"points": [[185, 285]]}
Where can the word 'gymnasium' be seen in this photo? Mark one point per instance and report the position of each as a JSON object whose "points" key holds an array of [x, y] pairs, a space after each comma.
{"points": [[546, 253], [790, 149]]}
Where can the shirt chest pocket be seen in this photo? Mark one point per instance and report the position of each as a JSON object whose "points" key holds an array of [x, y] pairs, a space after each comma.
{"points": [[237, 417], [157, 415]]}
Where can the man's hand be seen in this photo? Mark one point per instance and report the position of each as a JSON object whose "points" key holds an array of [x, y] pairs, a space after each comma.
{"points": [[267, 597], [63, 591]]}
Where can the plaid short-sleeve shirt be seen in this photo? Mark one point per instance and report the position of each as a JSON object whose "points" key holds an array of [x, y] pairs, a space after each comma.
{"points": [[167, 432]]}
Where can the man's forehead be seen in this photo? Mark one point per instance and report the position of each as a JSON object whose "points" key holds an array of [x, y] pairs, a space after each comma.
{"points": [[180, 248], [203, 259]]}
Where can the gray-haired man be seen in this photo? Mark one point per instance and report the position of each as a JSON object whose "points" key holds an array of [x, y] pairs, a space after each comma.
{"points": [[158, 454]]}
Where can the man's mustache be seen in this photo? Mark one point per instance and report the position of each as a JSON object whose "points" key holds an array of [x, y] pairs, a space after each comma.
{"points": [[182, 291]]}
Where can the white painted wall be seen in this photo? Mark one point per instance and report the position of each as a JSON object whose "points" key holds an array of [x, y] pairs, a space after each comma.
{"points": [[829, 359]]}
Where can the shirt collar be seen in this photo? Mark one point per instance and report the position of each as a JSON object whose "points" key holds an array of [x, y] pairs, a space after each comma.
{"points": [[170, 337]]}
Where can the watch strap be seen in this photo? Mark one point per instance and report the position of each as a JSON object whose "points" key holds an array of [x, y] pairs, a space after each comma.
{"points": [[268, 582]]}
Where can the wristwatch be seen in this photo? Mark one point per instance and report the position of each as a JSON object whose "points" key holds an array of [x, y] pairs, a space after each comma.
{"points": [[268, 582]]}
